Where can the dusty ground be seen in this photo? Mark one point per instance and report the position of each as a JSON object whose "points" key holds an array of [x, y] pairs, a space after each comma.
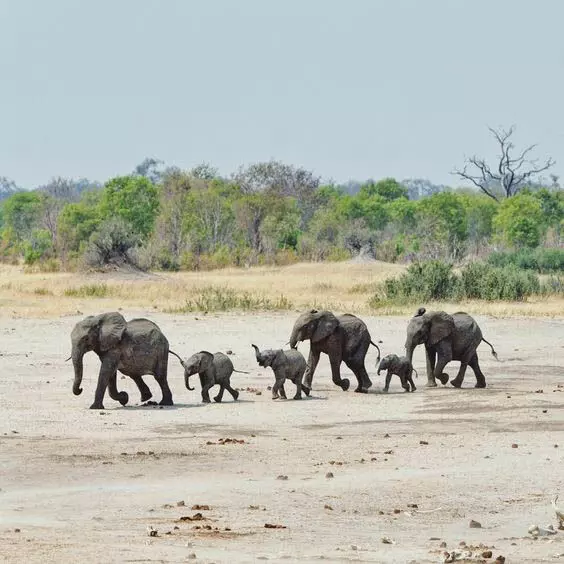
{"points": [[83, 486]]}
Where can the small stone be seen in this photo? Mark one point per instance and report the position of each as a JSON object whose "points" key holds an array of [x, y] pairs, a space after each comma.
{"points": [[397, 511], [500, 560], [329, 475], [328, 507], [487, 554], [282, 477], [462, 543], [192, 556], [354, 547], [443, 544], [180, 503], [413, 505], [229, 352], [17, 530], [475, 524], [514, 445], [555, 446], [423, 443], [388, 452], [545, 410], [386, 436], [258, 393]]}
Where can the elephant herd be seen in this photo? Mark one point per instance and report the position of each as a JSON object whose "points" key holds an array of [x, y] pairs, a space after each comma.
{"points": [[138, 347]]}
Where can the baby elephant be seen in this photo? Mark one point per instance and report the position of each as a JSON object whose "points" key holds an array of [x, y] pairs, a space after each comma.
{"points": [[289, 365], [213, 369], [401, 366]]}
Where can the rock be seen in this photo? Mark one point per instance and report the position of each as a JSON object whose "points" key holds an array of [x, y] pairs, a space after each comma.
{"points": [[396, 511], [282, 477], [514, 445], [271, 526], [17, 530], [152, 532], [500, 560], [259, 393], [386, 436], [328, 507], [388, 452], [192, 556], [412, 505], [487, 554], [475, 524], [354, 547], [198, 507], [180, 504], [329, 475], [229, 352], [443, 544], [423, 443], [387, 540]]}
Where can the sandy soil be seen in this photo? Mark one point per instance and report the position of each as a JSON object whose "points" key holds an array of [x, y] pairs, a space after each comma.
{"points": [[83, 486]]}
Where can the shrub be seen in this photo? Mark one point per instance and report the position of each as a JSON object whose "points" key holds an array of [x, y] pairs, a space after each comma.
{"points": [[112, 242], [541, 260], [89, 291]]}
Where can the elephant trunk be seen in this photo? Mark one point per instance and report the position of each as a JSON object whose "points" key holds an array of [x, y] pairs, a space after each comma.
{"points": [[409, 348], [78, 368], [257, 352], [187, 382], [295, 337]]}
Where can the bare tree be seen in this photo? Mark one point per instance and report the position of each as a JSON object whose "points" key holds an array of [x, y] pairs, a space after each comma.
{"points": [[511, 172]]}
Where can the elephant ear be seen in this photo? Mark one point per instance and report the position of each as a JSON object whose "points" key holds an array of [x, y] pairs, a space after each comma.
{"points": [[326, 325], [442, 325], [278, 358], [206, 360], [112, 326]]}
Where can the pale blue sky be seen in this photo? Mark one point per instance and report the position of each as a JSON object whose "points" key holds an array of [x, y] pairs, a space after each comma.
{"points": [[350, 89]]}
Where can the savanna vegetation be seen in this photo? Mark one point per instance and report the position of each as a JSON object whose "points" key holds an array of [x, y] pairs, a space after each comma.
{"points": [[488, 242]]}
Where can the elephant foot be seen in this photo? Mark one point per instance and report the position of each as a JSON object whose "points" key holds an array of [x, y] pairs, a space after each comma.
{"points": [[206, 400], [431, 384], [345, 384], [146, 397], [217, 399], [298, 397], [235, 395], [306, 390], [97, 406], [456, 383], [361, 391], [385, 390], [480, 385], [167, 401], [413, 389], [123, 398], [443, 378]]}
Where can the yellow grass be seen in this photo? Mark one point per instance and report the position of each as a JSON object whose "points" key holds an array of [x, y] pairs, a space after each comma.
{"points": [[339, 286]]}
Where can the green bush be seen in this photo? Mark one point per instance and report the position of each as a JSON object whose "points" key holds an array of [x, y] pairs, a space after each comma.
{"points": [[89, 291], [434, 280], [541, 260]]}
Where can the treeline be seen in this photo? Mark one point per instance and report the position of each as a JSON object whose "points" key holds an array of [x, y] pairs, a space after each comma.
{"points": [[269, 213]]}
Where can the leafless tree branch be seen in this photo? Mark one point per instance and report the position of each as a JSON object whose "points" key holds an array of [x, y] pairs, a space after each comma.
{"points": [[511, 173]]}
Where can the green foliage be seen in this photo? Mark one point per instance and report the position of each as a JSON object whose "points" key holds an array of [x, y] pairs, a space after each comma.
{"points": [[223, 298], [21, 213], [38, 246], [435, 280], [541, 260], [111, 243], [134, 199], [77, 222], [519, 221], [89, 291], [388, 188]]}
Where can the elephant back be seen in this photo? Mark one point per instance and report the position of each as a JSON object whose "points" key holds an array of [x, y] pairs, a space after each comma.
{"points": [[295, 359], [223, 364], [143, 331], [356, 333], [468, 332]]}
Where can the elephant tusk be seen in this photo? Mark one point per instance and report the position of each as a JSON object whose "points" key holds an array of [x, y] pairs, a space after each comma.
{"points": [[68, 358]]}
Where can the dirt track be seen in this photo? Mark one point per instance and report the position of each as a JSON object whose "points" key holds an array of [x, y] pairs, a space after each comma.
{"points": [[83, 486]]}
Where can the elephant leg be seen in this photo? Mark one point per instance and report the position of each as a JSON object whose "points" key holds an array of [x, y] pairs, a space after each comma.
{"points": [[431, 356], [161, 378], [219, 396], [438, 372], [335, 360], [298, 382], [234, 393], [362, 377], [480, 378], [122, 397], [404, 382], [146, 394], [311, 366], [206, 392], [282, 391], [388, 380], [410, 380], [108, 368], [457, 382]]}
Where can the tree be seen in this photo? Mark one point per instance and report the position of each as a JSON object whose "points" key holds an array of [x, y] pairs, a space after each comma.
{"points": [[510, 174], [150, 169], [7, 187], [77, 221], [21, 214], [133, 198], [388, 188], [519, 221]]}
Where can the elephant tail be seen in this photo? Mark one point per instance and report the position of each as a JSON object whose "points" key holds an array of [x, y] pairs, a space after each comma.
{"points": [[177, 356], [378, 348], [240, 371], [493, 350], [416, 375]]}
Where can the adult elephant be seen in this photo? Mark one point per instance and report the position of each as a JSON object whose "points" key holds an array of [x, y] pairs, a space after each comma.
{"points": [[135, 348], [446, 337], [344, 339]]}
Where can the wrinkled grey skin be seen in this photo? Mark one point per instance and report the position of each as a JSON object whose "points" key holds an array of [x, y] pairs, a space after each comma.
{"points": [[344, 339], [400, 366], [135, 348], [446, 337], [213, 369], [286, 365]]}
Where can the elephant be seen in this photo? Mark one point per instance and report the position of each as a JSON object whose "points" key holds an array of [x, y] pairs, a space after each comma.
{"points": [[289, 365], [135, 348], [344, 339], [401, 366], [446, 337], [213, 369]]}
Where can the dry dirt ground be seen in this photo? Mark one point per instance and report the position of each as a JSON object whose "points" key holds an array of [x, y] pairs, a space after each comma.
{"points": [[83, 486]]}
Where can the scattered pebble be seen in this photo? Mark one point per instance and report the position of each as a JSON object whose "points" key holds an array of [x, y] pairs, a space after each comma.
{"points": [[387, 540], [487, 554], [152, 532], [475, 524], [282, 477], [443, 544], [180, 503], [271, 526], [328, 507], [500, 560], [423, 443], [192, 556], [329, 475], [229, 352], [514, 445], [17, 530]]}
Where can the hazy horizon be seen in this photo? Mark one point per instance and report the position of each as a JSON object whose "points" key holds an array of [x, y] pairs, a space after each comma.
{"points": [[350, 90]]}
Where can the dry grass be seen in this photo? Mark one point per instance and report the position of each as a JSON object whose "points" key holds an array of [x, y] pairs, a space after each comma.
{"points": [[339, 286]]}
